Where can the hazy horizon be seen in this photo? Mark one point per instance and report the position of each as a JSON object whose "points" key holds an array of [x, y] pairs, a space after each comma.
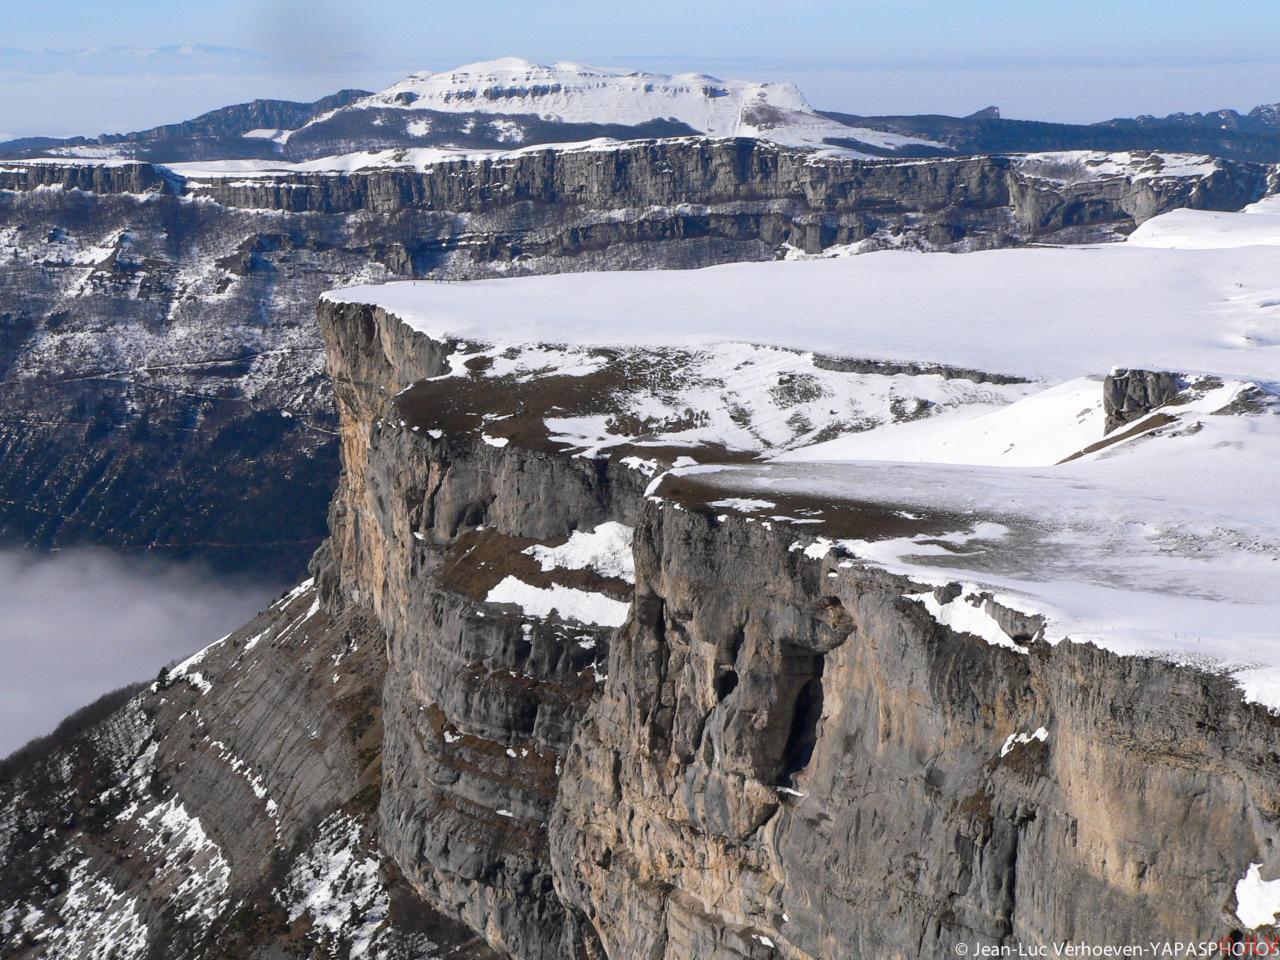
{"points": [[865, 57]]}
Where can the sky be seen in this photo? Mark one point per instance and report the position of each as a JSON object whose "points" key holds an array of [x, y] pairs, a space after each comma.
{"points": [[1077, 61], [59, 648]]}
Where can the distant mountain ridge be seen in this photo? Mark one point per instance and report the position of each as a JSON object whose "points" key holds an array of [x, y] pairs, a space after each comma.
{"points": [[1254, 136], [1263, 119], [493, 105], [511, 103], [219, 131]]}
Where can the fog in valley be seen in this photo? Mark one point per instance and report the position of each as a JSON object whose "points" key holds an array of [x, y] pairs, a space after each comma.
{"points": [[77, 623]]}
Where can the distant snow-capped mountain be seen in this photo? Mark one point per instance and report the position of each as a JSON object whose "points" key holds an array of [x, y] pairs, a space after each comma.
{"points": [[515, 102], [575, 93], [499, 105], [571, 93]]}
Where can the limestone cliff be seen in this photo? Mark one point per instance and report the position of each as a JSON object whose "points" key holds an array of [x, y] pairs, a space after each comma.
{"points": [[748, 743], [779, 757]]}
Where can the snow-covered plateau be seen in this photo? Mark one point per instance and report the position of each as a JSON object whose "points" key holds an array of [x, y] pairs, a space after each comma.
{"points": [[984, 402], [578, 93]]}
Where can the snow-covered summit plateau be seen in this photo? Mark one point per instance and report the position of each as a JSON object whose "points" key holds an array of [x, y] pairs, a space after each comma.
{"points": [[575, 93], [499, 107]]}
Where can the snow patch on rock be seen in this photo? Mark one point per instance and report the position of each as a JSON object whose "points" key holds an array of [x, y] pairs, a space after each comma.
{"points": [[96, 921], [188, 862], [606, 550], [569, 603], [1257, 900], [966, 613], [338, 886], [1020, 739]]}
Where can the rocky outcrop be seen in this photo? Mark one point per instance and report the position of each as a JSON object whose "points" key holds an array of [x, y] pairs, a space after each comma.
{"points": [[1129, 395], [100, 178]]}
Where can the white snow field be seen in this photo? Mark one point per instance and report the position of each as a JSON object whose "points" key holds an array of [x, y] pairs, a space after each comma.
{"points": [[583, 606], [1074, 166], [1206, 229], [1162, 541], [1052, 313], [606, 550]]}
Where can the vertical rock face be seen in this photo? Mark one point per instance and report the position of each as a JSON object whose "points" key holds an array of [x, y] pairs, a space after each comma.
{"points": [[1129, 395], [481, 704], [780, 756], [780, 759]]}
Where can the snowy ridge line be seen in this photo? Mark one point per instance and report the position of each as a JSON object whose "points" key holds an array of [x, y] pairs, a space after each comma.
{"points": [[409, 158], [1065, 168], [1074, 166], [194, 174], [967, 613], [184, 671]]}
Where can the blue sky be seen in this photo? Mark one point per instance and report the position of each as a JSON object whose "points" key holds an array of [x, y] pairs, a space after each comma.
{"points": [[1078, 61]]}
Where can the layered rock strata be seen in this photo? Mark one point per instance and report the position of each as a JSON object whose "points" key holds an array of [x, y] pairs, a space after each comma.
{"points": [[784, 754]]}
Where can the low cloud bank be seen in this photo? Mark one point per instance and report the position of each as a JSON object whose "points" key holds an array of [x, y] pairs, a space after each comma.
{"points": [[78, 623]]}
